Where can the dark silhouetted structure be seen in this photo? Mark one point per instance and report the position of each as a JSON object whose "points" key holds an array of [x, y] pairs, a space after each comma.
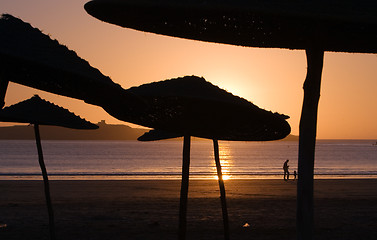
{"points": [[33, 59], [40, 112], [314, 26], [192, 106]]}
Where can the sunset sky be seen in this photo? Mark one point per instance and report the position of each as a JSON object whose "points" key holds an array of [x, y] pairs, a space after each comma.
{"points": [[270, 78]]}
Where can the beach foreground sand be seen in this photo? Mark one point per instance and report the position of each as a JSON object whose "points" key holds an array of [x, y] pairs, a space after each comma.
{"points": [[148, 209]]}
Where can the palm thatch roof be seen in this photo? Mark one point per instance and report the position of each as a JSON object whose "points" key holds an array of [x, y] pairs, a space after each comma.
{"points": [[191, 105], [31, 58], [38, 111], [339, 25]]}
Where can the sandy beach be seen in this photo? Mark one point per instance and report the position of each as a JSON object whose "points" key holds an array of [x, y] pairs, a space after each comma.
{"points": [[148, 209]]}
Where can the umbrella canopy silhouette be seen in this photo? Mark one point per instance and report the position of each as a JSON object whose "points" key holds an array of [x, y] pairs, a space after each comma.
{"points": [[187, 104], [344, 26], [191, 106], [314, 26], [33, 59], [40, 112]]}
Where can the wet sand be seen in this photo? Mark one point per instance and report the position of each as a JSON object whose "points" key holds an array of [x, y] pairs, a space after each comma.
{"points": [[137, 209]]}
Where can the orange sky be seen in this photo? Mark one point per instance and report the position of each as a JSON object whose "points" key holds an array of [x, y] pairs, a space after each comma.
{"points": [[270, 78]]}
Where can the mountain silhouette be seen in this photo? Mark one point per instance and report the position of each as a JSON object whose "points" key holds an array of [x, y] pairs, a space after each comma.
{"points": [[104, 132]]}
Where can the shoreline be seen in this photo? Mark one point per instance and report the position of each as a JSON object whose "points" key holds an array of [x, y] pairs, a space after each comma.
{"points": [[143, 209], [112, 177]]}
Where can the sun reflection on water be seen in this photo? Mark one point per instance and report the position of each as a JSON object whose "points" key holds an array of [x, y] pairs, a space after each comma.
{"points": [[226, 162]]}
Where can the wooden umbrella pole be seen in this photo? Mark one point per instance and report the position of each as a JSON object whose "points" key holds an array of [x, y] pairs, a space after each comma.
{"points": [[222, 189], [184, 187], [3, 90], [45, 182], [307, 139]]}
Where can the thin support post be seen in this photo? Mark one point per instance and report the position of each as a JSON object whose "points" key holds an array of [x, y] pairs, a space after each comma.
{"points": [[45, 182], [3, 90], [307, 140], [184, 187], [222, 189]]}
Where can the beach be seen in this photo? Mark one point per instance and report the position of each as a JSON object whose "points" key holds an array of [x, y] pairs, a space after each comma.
{"points": [[148, 209]]}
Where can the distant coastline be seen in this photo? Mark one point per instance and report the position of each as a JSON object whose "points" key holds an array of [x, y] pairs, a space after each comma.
{"points": [[104, 132]]}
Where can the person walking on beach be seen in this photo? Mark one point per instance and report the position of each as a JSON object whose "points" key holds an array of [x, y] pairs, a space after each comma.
{"points": [[295, 174], [285, 168]]}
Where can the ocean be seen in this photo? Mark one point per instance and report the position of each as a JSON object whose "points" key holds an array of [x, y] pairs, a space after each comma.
{"points": [[110, 160]]}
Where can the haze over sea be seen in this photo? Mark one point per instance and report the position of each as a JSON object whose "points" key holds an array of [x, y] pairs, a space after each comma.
{"points": [[163, 160]]}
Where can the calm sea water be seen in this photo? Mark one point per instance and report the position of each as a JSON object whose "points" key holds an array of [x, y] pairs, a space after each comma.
{"points": [[155, 160]]}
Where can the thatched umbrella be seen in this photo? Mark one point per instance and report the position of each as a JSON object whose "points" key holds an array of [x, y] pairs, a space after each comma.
{"points": [[314, 26], [191, 106], [37, 111], [185, 104], [31, 58]]}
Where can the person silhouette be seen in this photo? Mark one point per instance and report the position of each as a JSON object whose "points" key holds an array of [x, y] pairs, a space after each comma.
{"points": [[295, 174], [285, 168]]}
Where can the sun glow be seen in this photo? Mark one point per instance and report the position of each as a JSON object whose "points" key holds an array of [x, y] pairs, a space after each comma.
{"points": [[224, 177]]}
